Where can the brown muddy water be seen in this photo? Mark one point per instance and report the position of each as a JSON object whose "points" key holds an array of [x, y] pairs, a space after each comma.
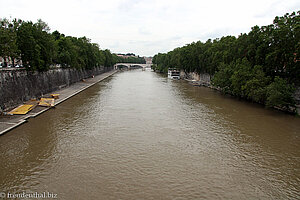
{"points": [[139, 135]]}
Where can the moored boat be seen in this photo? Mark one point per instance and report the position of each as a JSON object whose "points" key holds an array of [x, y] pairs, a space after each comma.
{"points": [[173, 73]]}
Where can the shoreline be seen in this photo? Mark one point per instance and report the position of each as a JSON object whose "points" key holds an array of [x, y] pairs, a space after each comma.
{"points": [[210, 86], [9, 122]]}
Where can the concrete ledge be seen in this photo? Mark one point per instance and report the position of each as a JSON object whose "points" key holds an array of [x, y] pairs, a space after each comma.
{"points": [[12, 126]]}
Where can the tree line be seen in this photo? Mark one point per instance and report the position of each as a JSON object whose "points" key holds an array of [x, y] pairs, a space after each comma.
{"points": [[129, 59], [261, 66], [38, 49]]}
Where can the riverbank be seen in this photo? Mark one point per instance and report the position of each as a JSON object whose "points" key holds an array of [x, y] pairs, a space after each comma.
{"points": [[9, 122], [204, 79]]}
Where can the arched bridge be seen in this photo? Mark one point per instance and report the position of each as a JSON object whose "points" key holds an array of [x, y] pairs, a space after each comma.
{"points": [[131, 65]]}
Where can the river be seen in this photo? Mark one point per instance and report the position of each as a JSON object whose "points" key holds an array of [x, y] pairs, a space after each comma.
{"points": [[139, 135]]}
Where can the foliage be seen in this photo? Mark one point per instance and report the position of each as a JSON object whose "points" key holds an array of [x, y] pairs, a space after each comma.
{"points": [[280, 94], [8, 39], [246, 66], [129, 58], [39, 49], [222, 77]]}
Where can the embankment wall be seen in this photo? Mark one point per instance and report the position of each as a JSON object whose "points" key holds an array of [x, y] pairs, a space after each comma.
{"points": [[17, 86], [202, 78]]}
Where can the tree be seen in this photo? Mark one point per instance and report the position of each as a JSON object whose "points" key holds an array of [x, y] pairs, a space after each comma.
{"points": [[222, 78], [8, 39], [108, 58], [36, 45], [239, 78], [246, 66], [255, 87], [279, 93], [30, 50], [46, 43]]}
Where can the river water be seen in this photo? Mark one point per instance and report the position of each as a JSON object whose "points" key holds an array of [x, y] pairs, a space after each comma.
{"points": [[139, 135]]}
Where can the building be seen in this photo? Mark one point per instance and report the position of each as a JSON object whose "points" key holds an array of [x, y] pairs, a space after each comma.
{"points": [[148, 60]]}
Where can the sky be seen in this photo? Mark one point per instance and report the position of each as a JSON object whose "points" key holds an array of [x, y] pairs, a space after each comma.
{"points": [[148, 27]]}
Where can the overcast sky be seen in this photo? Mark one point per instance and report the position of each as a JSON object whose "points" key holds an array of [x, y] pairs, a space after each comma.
{"points": [[146, 27]]}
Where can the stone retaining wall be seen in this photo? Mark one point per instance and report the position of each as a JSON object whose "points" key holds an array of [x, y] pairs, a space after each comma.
{"points": [[18, 86], [202, 78]]}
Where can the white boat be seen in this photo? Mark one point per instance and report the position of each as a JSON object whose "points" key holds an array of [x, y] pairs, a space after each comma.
{"points": [[173, 73]]}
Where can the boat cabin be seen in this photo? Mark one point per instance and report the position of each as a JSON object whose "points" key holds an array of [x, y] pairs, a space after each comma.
{"points": [[173, 73]]}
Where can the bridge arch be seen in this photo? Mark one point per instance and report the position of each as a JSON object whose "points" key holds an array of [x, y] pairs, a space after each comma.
{"points": [[121, 66], [131, 65]]}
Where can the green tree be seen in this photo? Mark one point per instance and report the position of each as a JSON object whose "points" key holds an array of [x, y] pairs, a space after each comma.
{"points": [[246, 66], [36, 45], [30, 50], [255, 87], [8, 39], [221, 79], [46, 43], [108, 58], [279, 93], [239, 78]]}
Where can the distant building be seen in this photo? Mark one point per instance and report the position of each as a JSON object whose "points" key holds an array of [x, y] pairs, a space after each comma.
{"points": [[148, 60]]}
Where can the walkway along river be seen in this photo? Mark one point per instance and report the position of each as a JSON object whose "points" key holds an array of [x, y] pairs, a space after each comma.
{"points": [[139, 135]]}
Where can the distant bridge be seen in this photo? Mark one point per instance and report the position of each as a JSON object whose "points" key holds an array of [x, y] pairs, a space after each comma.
{"points": [[131, 65]]}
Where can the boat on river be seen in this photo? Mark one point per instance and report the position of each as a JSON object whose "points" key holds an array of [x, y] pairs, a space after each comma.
{"points": [[173, 73]]}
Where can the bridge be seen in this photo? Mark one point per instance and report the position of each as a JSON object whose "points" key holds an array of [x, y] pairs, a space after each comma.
{"points": [[131, 65]]}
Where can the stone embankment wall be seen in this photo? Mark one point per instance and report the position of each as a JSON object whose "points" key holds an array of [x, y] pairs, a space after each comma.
{"points": [[18, 86], [297, 99], [202, 79], [297, 95]]}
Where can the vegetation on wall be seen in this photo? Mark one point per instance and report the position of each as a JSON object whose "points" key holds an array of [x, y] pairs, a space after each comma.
{"points": [[262, 66]]}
